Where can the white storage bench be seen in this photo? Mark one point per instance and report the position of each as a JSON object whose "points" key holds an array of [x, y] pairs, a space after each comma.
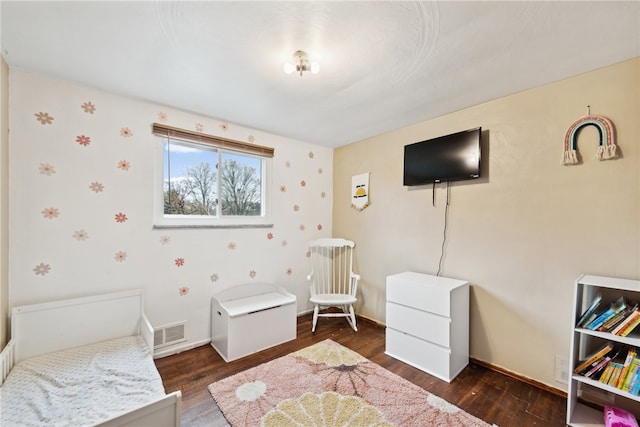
{"points": [[248, 318]]}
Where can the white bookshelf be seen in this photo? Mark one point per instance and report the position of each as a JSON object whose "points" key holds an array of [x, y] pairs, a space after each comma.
{"points": [[584, 341]]}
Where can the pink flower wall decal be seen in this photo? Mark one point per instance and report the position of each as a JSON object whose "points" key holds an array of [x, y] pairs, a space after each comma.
{"points": [[42, 269], [120, 256], [269, 236], [182, 291], [319, 227], [251, 138], [163, 116], [311, 155], [289, 271], [120, 217], [88, 107], [124, 165], [252, 274], [126, 132], [179, 262], [96, 187], [323, 194], [165, 240], [283, 188], [80, 235], [224, 126], [284, 243], [296, 208], [46, 169], [320, 171], [287, 164], [214, 277], [199, 127], [50, 213], [44, 118], [303, 183], [83, 140], [231, 246], [302, 227]]}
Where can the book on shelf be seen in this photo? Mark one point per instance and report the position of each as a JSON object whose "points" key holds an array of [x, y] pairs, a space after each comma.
{"points": [[631, 354], [626, 322], [593, 358], [620, 369], [602, 369], [635, 386], [632, 375], [615, 375], [600, 365], [606, 374], [589, 314], [628, 329], [619, 318], [615, 307]]}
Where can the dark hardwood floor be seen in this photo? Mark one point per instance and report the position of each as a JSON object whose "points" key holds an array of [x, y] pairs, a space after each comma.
{"points": [[494, 397]]}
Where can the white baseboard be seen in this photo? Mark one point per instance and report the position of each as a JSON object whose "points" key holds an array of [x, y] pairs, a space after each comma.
{"points": [[377, 322], [191, 345], [180, 348]]}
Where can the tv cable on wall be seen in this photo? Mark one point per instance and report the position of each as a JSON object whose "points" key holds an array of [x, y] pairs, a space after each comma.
{"points": [[453, 157], [444, 228]]}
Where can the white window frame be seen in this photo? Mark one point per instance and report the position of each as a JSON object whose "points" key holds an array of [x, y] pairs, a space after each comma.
{"points": [[162, 220]]}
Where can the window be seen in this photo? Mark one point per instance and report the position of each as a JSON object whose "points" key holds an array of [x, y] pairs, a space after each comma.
{"points": [[207, 181]]}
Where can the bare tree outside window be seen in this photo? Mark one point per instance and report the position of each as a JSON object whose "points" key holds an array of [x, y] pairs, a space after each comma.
{"points": [[201, 189], [175, 201], [240, 189], [195, 193], [209, 182]]}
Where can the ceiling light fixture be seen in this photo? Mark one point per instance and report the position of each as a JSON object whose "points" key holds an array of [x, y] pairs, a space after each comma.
{"points": [[301, 64]]}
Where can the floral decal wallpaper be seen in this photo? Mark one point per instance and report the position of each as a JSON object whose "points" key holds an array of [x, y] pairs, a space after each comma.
{"points": [[82, 198]]}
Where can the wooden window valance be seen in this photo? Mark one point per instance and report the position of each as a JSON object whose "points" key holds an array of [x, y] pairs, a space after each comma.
{"points": [[217, 141]]}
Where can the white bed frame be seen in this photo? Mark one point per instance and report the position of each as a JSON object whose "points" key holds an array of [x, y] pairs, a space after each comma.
{"points": [[53, 326]]}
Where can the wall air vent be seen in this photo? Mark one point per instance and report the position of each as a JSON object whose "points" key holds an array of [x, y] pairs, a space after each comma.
{"points": [[167, 335]]}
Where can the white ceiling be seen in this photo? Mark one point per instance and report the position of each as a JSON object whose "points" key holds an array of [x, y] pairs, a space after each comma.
{"points": [[384, 64]]}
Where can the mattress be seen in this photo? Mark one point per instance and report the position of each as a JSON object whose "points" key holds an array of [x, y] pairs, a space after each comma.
{"points": [[81, 386]]}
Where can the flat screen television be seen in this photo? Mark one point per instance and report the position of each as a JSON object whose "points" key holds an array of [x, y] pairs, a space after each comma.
{"points": [[453, 157]]}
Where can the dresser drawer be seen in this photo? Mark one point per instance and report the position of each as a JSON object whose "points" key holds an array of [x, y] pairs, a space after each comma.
{"points": [[424, 292], [423, 355], [420, 324]]}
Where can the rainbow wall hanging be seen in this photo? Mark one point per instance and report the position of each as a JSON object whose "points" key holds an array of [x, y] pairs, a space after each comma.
{"points": [[607, 148]]}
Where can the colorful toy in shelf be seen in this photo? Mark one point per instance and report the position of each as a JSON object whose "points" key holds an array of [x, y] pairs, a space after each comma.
{"points": [[616, 417]]}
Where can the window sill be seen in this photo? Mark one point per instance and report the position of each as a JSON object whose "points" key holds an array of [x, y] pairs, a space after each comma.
{"points": [[178, 226]]}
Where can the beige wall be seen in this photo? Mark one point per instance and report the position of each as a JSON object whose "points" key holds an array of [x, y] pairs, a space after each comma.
{"points": [[523, 232], [4, 199]]}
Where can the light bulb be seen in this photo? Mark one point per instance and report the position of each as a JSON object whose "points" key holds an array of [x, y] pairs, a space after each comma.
{"points": [[288, 67]]}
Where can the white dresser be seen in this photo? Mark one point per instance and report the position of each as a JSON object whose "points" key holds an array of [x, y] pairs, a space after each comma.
{"points": [[428, 323]]}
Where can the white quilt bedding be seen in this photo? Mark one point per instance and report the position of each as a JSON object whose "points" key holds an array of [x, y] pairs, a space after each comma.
{"points": [[80, 386]]}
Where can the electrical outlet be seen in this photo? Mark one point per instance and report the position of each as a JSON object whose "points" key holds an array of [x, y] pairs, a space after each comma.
{"points": [[561, 369]]}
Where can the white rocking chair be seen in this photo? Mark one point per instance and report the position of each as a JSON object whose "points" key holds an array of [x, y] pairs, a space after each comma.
{"points": [[332, 282]]}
